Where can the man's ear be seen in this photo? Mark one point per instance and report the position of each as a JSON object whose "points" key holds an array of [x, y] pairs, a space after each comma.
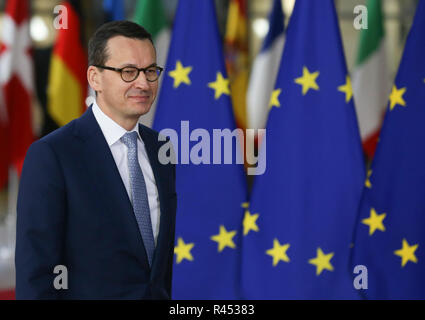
{"points": [[93, 78]]}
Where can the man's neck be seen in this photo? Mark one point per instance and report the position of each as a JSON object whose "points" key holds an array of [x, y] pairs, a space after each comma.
{"points": [[127, 123]]}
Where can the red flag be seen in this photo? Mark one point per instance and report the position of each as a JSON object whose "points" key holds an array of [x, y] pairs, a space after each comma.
{"points": [[16, 78], [4, 161], [7, 295], [237, 58], [67, 88]]}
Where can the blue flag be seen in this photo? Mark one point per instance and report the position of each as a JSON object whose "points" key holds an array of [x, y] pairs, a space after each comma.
{"points": [[194, 105], [276, 24], [390, 237], [114, 10], [264, 70], [303, 209]]}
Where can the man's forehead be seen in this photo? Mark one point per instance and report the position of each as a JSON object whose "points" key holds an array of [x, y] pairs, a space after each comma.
{"points": [[117, 42], [123, 48]]}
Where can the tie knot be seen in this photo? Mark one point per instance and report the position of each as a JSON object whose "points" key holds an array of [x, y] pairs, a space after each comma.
{"points": [[130, 139]]}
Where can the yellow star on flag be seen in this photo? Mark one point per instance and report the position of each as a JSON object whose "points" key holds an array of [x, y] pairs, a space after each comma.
{"points": [[367, 182], [245, 205], [220, 85], [224, 238], [322, 261], [180, 74], [375, 221], [396, 97], [347, 89], [278, 252], [274, 99], [407, 253], [249, 222], [182, 250], [308, 80]]}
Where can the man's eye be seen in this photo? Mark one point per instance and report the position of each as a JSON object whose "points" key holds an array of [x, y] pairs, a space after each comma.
{"points": [[151, 71]]}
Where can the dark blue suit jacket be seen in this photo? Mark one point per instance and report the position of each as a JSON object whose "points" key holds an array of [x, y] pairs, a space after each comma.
{"points": [[73, 210]]}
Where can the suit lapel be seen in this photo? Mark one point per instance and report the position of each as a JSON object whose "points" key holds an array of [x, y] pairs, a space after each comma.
{"points": [[97, 160]]}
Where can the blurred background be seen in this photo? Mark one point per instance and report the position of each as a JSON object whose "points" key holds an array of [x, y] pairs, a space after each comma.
{"points": [[397, 19]]}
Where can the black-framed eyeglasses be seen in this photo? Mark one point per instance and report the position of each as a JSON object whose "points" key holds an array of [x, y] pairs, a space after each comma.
{"points": [[129, 74]]}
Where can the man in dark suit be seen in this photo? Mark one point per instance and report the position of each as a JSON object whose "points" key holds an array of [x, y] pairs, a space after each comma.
{"points": [[94, 197]]}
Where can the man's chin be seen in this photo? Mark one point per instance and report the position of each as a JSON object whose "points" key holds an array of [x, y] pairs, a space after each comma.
{"points": [[140, 109]]}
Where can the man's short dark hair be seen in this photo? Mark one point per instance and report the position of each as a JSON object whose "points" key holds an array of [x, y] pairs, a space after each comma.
{"points": [[97, 44]]}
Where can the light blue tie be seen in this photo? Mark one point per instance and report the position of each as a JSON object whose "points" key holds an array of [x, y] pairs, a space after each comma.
{"points": [[139, 194]]}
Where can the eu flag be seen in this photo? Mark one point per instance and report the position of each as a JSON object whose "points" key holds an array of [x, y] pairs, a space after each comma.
{"points": [[390, 237], [304, 206], [194, 107]]}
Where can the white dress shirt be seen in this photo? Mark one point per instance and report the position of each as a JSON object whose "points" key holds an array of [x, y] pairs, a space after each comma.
{"points": [[113, 133]]}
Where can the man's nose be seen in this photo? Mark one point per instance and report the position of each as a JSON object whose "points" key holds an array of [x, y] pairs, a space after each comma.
{"points": [[141, 82]]}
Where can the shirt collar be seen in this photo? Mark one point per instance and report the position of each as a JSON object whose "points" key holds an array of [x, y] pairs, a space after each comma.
{"points": [[110, 129]]}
